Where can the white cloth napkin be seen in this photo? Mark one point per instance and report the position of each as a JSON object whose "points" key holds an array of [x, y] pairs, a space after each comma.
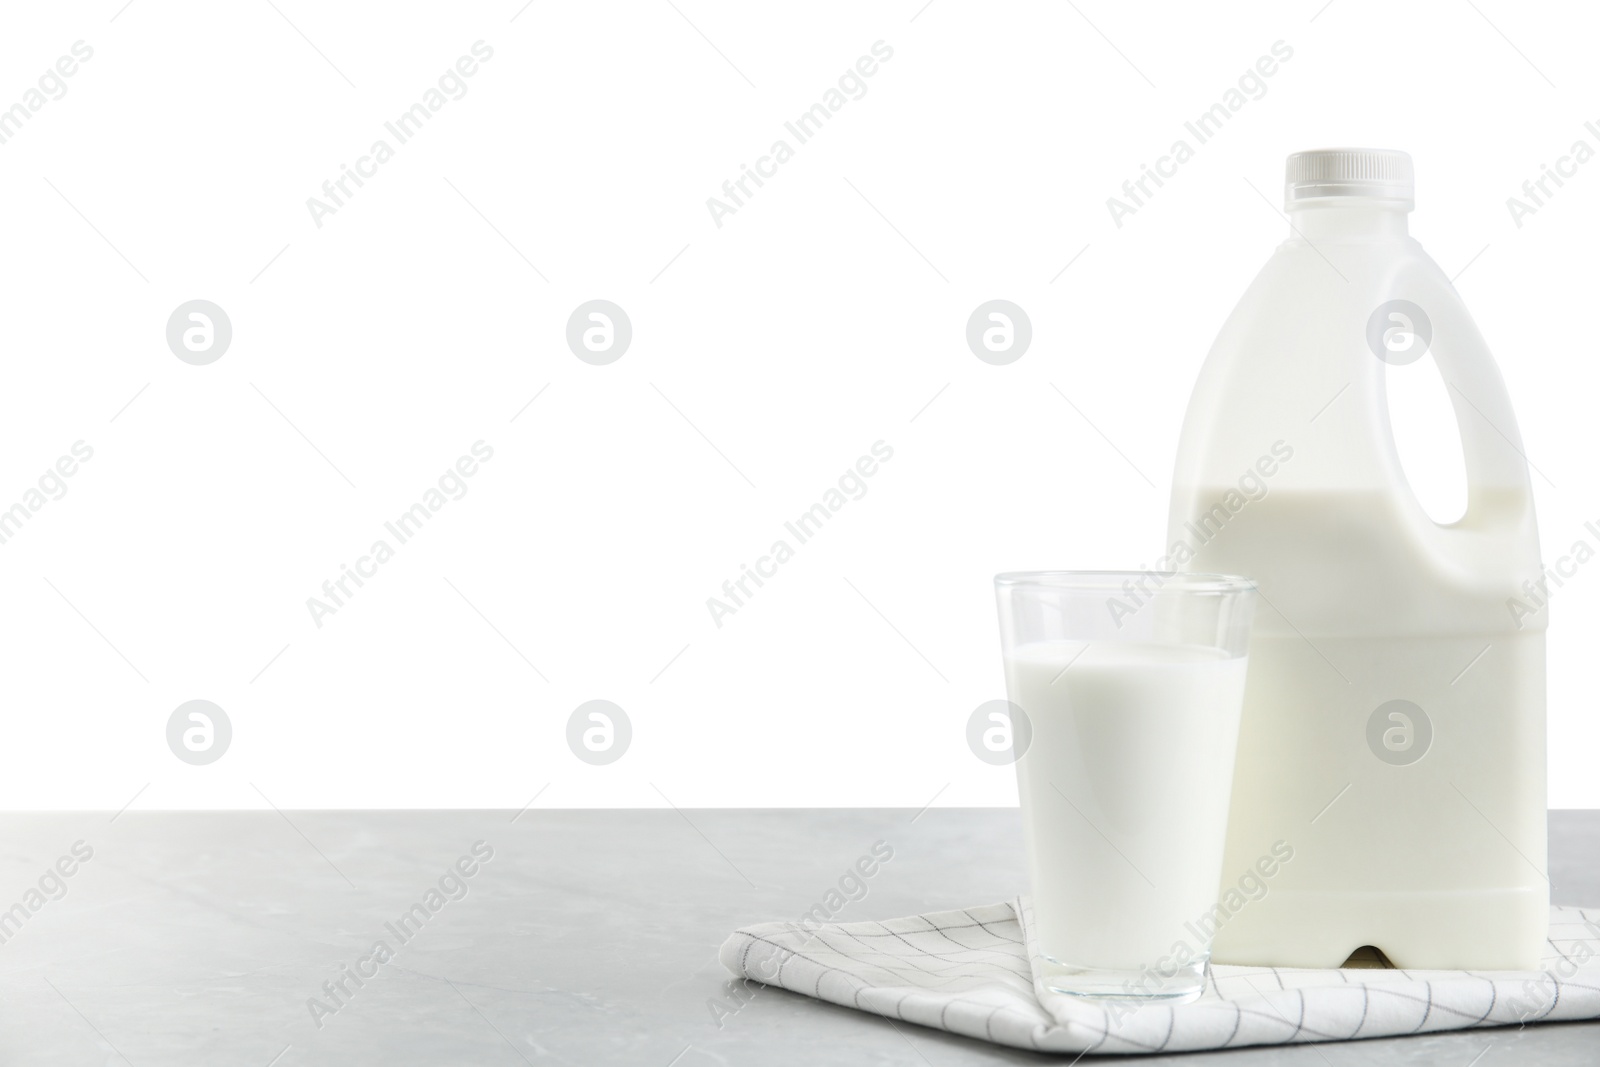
{"points": [[971, 972]]}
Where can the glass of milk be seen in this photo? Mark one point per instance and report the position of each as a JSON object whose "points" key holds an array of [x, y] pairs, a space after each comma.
{"points": [[1126, 689]]}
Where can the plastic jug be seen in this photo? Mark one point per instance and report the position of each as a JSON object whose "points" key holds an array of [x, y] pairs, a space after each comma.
{"points": [[1393, 738]]}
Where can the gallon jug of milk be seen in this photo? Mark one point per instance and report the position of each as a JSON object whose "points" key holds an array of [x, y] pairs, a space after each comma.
{"points": [[1393, 738]]}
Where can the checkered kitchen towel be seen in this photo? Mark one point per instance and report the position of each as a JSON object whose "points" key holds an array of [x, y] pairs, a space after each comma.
{"points": [[970, 972]]}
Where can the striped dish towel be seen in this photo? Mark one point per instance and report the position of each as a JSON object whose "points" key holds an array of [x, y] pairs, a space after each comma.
{"points": [[971, 972]]}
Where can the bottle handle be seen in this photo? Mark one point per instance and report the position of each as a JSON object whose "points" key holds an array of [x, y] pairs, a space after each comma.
{"points": [[1497, 467]]}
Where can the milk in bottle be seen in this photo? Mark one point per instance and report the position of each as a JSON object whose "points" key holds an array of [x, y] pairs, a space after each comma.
{"points": [[1393, 727]]}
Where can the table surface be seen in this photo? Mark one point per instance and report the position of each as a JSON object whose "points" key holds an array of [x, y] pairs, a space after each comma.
{"points": [[588, 938]]}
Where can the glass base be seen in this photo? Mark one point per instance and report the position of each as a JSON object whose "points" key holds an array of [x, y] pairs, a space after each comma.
{"points": [[1129, 985]]}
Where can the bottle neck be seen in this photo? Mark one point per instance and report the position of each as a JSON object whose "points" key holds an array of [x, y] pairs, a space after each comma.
{"points": [[1349, 219]]}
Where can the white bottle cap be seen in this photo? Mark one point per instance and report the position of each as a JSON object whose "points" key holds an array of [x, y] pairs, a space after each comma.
{"points": [[1325, 173]]}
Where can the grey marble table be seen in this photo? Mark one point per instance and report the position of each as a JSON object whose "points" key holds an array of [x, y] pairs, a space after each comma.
{"points": [[574, 937]]}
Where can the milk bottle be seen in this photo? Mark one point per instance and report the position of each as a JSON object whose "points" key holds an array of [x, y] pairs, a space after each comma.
{"points": [[1393, 727]]}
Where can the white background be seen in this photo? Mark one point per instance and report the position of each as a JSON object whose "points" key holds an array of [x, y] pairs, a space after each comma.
{"points": [[768, 354]]}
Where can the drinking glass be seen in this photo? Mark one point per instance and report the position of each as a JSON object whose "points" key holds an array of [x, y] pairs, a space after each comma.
{"points": [[1125, 691]]}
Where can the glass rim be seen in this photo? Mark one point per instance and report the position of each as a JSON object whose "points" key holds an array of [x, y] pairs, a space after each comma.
{"points": [[1091, 581]]}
